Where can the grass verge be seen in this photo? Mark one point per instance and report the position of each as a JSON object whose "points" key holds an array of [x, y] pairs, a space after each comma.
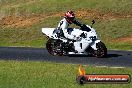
{"points": [[9, 7], [29, 74]]}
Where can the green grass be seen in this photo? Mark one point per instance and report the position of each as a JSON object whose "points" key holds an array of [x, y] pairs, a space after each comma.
{"points": [[119, 45], [44, 6], [22, 74], [31, 36], [116, 28]]}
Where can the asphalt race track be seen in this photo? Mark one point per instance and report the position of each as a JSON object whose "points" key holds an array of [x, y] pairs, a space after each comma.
{"points": [[114, 58]]}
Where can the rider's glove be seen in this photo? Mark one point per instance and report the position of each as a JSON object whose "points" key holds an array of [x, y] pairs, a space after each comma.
{"points": [[78, 38], [57, 30]]}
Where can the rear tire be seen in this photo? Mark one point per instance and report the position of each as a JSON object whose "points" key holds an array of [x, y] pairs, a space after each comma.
{"points": [[49, 46], [54, 47]]}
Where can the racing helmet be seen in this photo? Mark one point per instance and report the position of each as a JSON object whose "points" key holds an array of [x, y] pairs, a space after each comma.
{"points": [[69, 15]]}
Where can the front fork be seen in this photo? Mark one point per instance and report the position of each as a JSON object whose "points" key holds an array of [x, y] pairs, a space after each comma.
{"points": [[93, 44]]}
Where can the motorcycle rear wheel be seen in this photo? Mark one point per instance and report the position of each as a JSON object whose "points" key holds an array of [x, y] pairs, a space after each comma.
{"points": [[53, 47]]}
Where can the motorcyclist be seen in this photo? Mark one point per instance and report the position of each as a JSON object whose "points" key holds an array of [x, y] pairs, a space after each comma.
{"points": [[63, 25], [63, 29]]}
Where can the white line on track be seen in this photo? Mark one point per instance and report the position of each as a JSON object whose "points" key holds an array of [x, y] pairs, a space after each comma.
{"points": [[109, 67]]}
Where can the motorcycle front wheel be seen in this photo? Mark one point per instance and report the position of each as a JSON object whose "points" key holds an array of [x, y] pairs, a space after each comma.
{"points": [[101, 50]]}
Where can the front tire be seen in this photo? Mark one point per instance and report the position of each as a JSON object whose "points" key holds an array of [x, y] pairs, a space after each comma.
{"points": [[101, 50]]}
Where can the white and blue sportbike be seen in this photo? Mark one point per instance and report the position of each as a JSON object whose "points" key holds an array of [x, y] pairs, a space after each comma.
{"points": [[86, 43]]}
